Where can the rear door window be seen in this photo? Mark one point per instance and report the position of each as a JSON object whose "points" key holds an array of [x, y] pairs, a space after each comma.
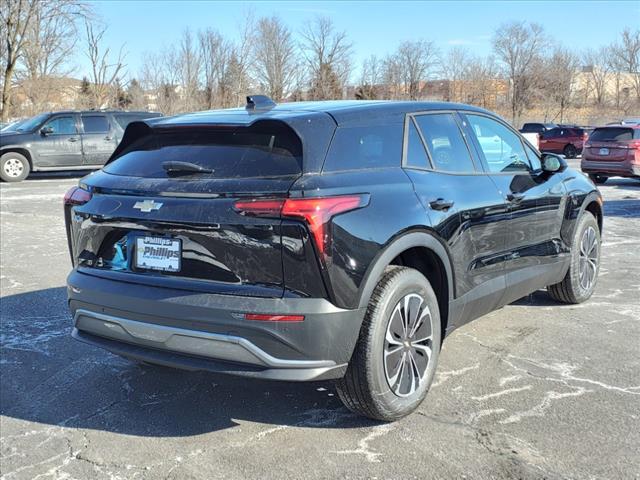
{"points": [[611, 134], [243, 152], [445, 143], [364, 147], [95, 124]]}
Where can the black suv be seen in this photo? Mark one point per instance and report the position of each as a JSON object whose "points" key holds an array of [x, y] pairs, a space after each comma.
{"points": [[322, 240], [63, 141], [537, 127]]}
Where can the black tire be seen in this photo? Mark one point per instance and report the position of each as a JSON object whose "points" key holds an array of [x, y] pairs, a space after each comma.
{"points": [[14, 167], [597, 179], [570, 151], [365, 388], [573, 289]]}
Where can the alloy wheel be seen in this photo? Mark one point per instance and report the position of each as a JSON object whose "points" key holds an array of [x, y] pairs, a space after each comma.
{"points": [[13, 167], [588, 267], [408, 345]]}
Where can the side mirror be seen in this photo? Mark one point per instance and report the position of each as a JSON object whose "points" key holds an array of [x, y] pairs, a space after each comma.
{"points": [[552, 163], [46, 131]]}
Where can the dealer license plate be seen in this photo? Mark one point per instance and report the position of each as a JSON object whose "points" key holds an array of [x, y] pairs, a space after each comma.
{"points": [[158, 253]]}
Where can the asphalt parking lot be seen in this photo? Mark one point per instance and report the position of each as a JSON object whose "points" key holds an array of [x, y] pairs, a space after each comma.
{"points": [[535, 390]]}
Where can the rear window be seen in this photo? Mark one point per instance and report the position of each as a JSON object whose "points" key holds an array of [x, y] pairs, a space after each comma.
{"points": [[125, 119], [258, 151], [95, 124], [612, 134], [364, 147]]}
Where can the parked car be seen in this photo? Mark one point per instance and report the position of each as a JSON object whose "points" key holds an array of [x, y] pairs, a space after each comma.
{"points": [[322, 240], [612, 151], [567, 141], [537, 127], [62, 141]]}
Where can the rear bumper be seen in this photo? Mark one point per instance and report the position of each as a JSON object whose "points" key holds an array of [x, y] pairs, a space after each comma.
{"points": [[200, 331], [623, 168]]}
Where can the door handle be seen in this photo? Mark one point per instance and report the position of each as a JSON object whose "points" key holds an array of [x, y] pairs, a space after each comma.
{"points": [[515, 197], [441, 204], [73, 139], [108, 138]]}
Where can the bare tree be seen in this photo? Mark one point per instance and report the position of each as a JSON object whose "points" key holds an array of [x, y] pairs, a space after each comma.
{"points": [[370, 79], [328, 57], [50, 39], [456, 66], [275, 55], [518, 46], [104, 70], [627, 54], [237, 79], [16, 17], [484, 83], [136, 95], [597, 67], [215, 52], [560, 74], [189, 68], [392, 77], [415, 60]]}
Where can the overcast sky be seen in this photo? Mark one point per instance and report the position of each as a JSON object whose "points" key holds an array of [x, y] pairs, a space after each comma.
{"points": [[373, 27]]}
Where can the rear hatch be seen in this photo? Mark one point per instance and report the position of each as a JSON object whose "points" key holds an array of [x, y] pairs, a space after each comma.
{"points": [[609, 144], [162, 211]]}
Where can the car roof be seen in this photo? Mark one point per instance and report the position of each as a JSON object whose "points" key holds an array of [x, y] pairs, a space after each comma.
{"points": [[620, 125], [343, 112], [126, 112]]}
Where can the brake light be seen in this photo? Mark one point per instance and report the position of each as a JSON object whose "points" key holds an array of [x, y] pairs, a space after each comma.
{"points": [[634, 145], [259, 317], [316, 212], [76, 196]]}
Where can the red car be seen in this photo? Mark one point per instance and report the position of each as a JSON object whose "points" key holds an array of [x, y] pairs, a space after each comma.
{"points": [[612, 151], [567, 141]]}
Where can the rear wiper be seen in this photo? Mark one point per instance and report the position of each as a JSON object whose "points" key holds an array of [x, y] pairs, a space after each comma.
{"points": [[178, 168]]}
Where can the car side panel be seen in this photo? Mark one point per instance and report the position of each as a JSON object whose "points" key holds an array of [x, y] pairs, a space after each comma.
{"points": [[358, 236]]}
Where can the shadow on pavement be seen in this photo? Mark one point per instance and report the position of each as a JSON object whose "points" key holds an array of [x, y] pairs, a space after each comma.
{"points": [[622, 208], [49, 378]]}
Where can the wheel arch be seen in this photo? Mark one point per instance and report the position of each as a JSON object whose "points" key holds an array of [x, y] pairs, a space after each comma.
{"points": [[423, 251], [595, 208], [21, 150]]}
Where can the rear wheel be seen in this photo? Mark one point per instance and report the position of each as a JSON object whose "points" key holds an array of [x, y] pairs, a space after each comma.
{"points": [[570, 151], [581, 278], [598, 179], [396, 355], [14, 167]]}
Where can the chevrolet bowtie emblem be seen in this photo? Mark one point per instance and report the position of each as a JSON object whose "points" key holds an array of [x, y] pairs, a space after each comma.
{"points": [[147, 206]]}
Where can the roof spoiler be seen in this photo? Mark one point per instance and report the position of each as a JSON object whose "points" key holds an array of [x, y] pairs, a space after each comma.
{"points": [[259, 102]]}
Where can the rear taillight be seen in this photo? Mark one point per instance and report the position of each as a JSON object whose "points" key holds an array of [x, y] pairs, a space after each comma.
{"points": [[634, 145], [76, 196], [316, 212]]}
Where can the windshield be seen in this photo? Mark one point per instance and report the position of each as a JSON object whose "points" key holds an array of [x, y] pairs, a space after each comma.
{"points": [[31, 123], [258, 151]]}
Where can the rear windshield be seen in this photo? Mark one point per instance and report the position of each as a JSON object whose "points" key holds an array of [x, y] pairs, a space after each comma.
{"points": [[258, 151], [610, 134]]}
